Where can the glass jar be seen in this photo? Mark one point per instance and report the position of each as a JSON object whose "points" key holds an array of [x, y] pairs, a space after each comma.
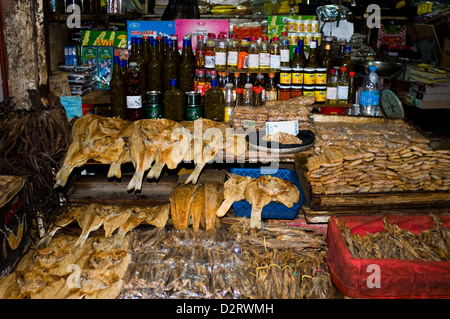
{"points": [[321, 76], [297, 76], [284, 92], [309, 76], [285, 76], [296, 90], [320, 93], [309, 90]]}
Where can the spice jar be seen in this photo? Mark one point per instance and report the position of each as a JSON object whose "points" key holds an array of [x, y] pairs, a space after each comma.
{"points": [[296, 90], [321, 76], [284, 92], [285, 75], [309, 76]]}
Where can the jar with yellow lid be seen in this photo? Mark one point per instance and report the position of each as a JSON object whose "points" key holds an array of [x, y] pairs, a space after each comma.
{"points": [[309, 76], [285, 76], [320, 93], [297, 76], [321, 76]]}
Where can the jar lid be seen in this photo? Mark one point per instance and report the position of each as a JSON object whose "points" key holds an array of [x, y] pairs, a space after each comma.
{"points": [[296, 87], [309, 87], [309, 69], [297, 69], [285, 69], [284, 86], [321, 87], [321, 69]]}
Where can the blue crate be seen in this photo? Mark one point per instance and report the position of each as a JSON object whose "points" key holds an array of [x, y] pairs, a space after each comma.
{"points": [[273, 210]]}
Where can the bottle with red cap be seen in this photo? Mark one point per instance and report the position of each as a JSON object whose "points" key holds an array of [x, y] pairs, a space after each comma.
{"points": [[253, 55], [342, 92], [351, 87]]}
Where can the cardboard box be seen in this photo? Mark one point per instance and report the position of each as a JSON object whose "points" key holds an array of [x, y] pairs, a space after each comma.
{"points": [[194, 27], [15, 221], [71, 54], [149, 28], [104, 66], [116, 39], [89, 56]]}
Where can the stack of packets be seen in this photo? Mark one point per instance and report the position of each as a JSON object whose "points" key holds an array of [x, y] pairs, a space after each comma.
{"points": [[82, 78]]}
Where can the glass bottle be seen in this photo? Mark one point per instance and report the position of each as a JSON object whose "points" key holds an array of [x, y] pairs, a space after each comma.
{"points": [[221, 52], [346, 60], [343, 84], [298, 60], [214, 103], [236, 83], [351, 87], [229, 102], [284, 50], [260, 82], [340, 54], [186, 70], [275, 57], [154, 69], [332, 82], [271, 88], [169, 67], [248, 95], [173, 102], [200, 52], [313, 60], [146, 44], [133, 93], [201, 82], [243, 55], [138, 57], [222, 81], [160, 46], [258, 101], [210, 54], [253, 55], [264, 55], [233, 52], [327, 58], [239, 101], [117, 90], [174, 39]]}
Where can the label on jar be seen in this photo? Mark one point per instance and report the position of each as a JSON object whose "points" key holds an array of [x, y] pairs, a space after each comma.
{"points": [[342, 92], [232, 58], [275, 61], [308, 91], [210, 61], [297, 76], [221, 58], [253, 61], [134, 102], [193, 113], [321, 78], [285, 77], [264, 59], [284, 55], [320, 95], [331, 93], [309, 78]]}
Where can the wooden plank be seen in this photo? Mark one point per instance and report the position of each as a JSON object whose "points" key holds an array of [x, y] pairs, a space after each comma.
{"points": [[97, 97]]}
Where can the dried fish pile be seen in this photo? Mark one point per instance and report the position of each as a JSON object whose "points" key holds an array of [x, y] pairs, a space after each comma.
{"points": [[230, 262], [393, 242], [344, 171], [34, 138], [297, 108]]}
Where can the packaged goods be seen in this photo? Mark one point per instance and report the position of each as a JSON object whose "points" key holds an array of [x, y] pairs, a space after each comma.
{"points": [[150, 28], [194, 27], [105, 66]]}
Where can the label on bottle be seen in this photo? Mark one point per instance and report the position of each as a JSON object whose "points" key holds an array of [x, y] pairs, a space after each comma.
{"points": [[284, 55], [228, 113], [275, 61], [331, 93], [271, 95], [264, 59], [221, 58], [201, 88], [134, 102], [253, 61], [369, 98], [210, 61], [232, 58], [342, 92]]}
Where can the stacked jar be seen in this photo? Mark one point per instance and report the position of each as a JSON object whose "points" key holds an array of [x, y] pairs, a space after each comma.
{"points": [[315, 80]]}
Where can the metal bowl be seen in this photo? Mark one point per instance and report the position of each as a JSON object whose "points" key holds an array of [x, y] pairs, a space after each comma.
{"points": [[385, 69]]}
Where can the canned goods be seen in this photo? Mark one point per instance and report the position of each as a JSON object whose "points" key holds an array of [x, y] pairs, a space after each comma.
{"points": [[308, 25], [292, 25], [320, 93], [297, 76], [309, 90], [153, 111], [301, 26], [285, 76], [293, 38], [154, 97], [193, 112], [193, 98], [309, 76], [321, 76]]}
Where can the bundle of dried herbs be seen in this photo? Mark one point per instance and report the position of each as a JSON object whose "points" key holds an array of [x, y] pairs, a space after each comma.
{"points": [[393, 242], [34, 138]]}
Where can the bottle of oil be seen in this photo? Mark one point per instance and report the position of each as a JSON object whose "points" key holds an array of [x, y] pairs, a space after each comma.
{"points": [[284, 50], [271, 88], [200, 52], [253, 55], [327, 58], [332, 82], [264, 55], [313, 59], [233, 52], [346, 60], [275, 55], [221, 53], [299, 59], [210, 54], [343, 85], [243, 55]]}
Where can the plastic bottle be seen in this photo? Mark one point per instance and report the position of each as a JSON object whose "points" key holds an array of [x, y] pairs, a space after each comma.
{"points": [[271, 88], [351, 87], [332, 81], [284, 50], [264, 55], [253, 55], [133, 92], [221, 52], [248, 95], [210, 54], [229, 101], [200, 52], [346, 61], [369, 99], [343, 86], [233, 52], [243, 55], [275, 55]]}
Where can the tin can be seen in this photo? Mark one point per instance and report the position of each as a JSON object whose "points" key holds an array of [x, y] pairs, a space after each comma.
{"points": [[314, 26], [293, 38], [193, 98], [154, 97], [193, 112], [153, 111]]}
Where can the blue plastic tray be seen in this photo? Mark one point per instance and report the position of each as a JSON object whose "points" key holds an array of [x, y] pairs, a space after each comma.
{"points": [[273, 210]]}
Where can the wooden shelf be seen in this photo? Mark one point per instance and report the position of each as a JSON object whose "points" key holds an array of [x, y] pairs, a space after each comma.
{"points": [[97, 97]]}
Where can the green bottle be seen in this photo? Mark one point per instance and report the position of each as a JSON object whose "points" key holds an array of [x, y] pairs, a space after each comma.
{"points": [[214, 103], [154, 69], [170, 67]]}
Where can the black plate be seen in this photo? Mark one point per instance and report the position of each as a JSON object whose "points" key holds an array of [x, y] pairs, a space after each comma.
{"points": [[306, 136]]}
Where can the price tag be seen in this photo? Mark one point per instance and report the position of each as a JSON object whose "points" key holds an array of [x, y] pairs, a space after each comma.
{"points": [[289, 127], [249, 124]]}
